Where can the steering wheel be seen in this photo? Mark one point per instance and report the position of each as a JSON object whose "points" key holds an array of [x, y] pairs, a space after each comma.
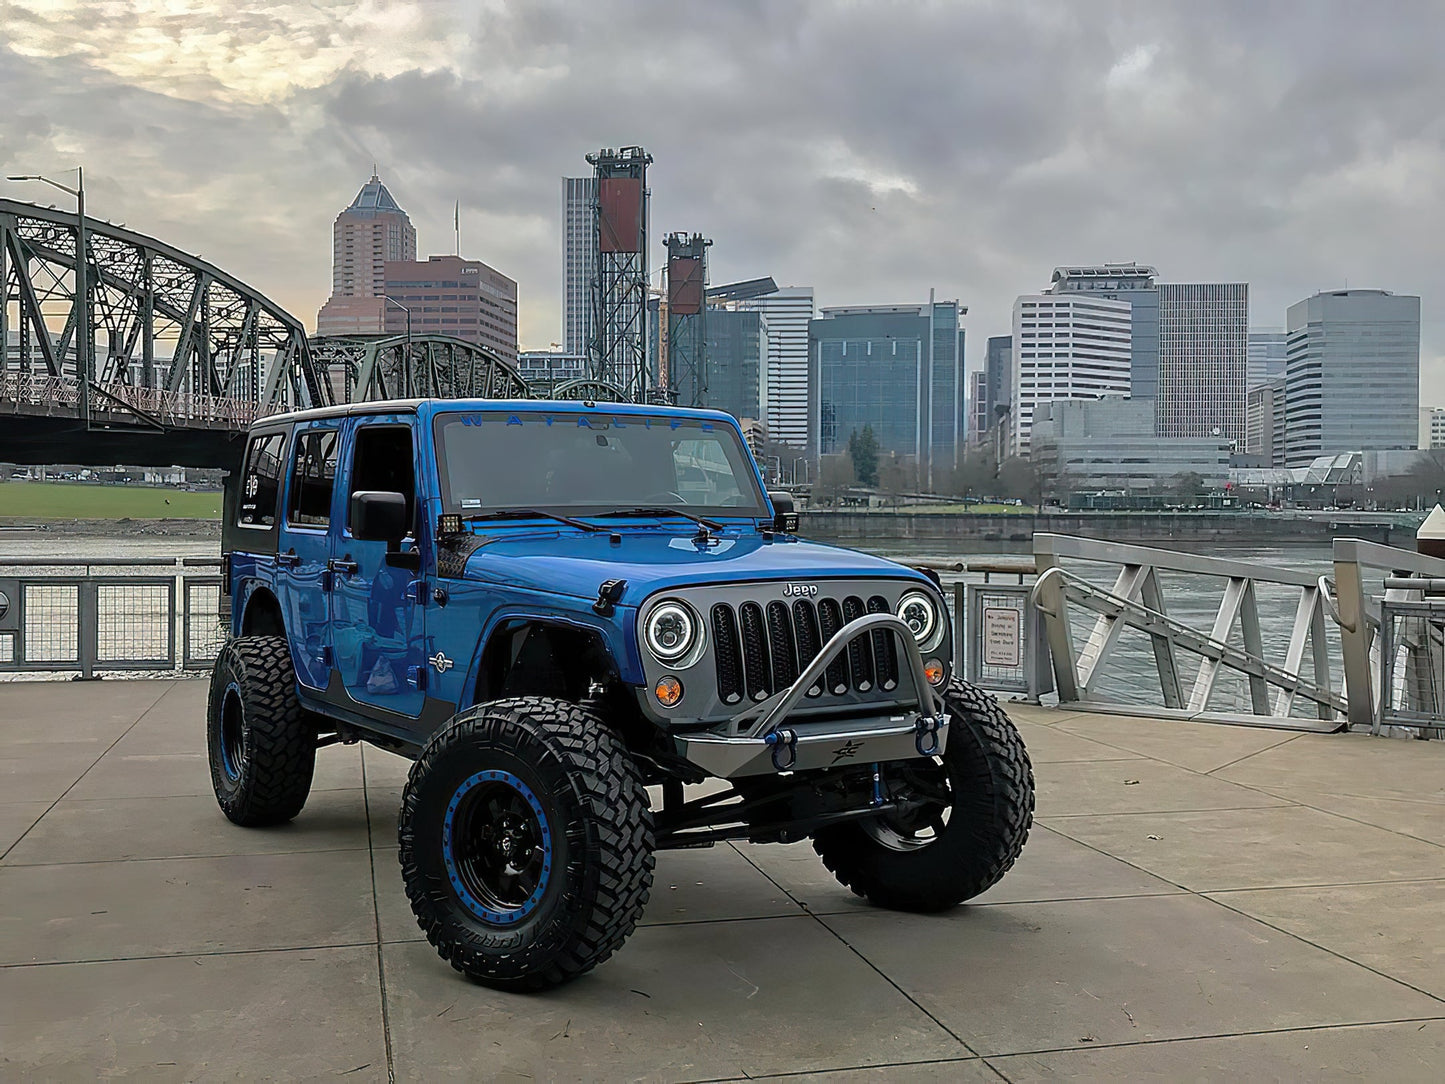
{"points": [[663, 496]]}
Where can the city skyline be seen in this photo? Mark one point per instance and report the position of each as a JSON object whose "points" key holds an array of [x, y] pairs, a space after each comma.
{"points": [[1313, 168]]}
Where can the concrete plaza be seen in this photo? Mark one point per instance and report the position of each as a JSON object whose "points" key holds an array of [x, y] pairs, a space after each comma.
{"points": [[1195, 901]]}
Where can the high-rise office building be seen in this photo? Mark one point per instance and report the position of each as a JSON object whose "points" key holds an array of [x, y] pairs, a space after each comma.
{"points": [[1203, 343], [1267, 355], [368, 233], [1188, 345], [997, 367], [787, 312], [1134, 283], [897, 368], [977, 406], [1065, 346], [1352, 382], [447, 295], [1264, 422], [578, 262], [1437, 428], [736, 351]]}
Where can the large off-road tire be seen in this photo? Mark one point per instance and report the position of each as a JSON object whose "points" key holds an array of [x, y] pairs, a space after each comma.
{"points": [[526, 842], [961, 843], [262, 742]]}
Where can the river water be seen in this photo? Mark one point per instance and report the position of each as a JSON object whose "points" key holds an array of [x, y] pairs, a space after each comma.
{"points": [[1131, 676]]}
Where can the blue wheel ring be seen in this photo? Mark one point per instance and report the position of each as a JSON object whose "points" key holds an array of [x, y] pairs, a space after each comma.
{"points": [[493, 915], [230, 764]]}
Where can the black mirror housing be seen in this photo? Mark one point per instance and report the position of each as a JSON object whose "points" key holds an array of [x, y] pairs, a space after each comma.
{"points": [[785, 518], [378, 516]]}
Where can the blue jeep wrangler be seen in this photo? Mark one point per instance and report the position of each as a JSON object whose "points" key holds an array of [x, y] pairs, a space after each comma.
{"points": [[552, 607]]}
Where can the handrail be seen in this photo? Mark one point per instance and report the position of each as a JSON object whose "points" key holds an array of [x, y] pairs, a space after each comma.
{"points": [[1199, 643], [1054, 546]]}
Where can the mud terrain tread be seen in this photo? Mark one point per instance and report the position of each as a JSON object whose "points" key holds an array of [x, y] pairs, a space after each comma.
{"points": [[613, 814], [280, 747], [998, 802]]}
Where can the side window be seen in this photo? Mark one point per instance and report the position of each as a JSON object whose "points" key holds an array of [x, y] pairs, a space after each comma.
{"points": [[261, 482], [381, 459], [313, 477]]}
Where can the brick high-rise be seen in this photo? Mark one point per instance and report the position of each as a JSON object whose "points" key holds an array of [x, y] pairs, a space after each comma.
{"points": [[370, 232]]}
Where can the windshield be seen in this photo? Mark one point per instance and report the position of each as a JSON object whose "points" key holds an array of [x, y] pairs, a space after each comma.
{"points": [[593, 463]]}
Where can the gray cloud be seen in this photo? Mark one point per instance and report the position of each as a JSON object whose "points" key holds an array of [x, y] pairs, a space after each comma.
{"points": [[872, 150]]}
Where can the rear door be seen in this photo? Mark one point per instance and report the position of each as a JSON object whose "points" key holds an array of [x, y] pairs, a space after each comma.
{"points": [[378, 615], [303, 548]]}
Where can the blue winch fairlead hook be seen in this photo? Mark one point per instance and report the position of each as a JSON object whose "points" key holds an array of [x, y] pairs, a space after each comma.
{"points": [[785, 744], [925, 736]]}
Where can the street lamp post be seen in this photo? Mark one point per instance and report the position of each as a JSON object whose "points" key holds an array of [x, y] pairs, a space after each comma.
{"points": [[803, 460], [406, 365], [85, 344]]}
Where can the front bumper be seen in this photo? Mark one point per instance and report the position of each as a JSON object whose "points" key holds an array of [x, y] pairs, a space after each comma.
{"points": [[762, 740]]}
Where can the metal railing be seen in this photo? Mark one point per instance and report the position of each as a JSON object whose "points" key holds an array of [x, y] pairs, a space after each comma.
{"points": [[1390, 651], [109, 615], [59, 395], [1233, 645]]}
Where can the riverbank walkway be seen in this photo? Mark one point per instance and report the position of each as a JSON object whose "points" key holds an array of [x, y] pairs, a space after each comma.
{"points": [[1195, 902]]}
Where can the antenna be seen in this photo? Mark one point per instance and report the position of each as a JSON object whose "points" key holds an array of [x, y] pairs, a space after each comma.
{"points": [[457, 225]]}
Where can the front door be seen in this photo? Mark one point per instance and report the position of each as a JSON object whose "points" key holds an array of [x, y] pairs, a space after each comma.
{"points": [[303, 548], [379, 646]]}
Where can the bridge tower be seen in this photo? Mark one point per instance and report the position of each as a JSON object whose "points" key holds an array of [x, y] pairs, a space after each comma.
{"points": [[617, 352], [687, 367]]}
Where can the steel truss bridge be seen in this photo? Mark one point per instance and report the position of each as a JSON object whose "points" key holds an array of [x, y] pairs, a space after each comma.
{"points": [[165, 359]]}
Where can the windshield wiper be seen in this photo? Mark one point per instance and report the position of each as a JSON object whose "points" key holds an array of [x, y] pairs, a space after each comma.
{"points": [[664, 510], [527, 513]]}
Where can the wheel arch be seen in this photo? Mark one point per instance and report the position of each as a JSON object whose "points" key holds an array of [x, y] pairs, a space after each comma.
{"points": [[524, 654], [261, 613]]}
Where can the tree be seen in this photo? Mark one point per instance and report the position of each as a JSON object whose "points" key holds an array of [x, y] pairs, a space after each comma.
{"points": [[863, 450], [898, 474], [1018, 478], [835, 475], [975, 475], [1187, 486]]}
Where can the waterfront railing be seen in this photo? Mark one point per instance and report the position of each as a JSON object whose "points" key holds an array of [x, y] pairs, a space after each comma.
{"points": [[117, 615]]}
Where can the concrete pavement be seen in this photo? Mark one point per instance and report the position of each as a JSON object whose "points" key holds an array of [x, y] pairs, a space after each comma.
{"points": [[1195, 901]]}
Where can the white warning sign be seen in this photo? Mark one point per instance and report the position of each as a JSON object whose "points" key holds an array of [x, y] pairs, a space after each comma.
{"points": [[1003, 641]]}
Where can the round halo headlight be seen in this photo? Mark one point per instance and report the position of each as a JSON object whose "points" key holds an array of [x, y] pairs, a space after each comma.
{"points": [[671, 630], [920, 614]]}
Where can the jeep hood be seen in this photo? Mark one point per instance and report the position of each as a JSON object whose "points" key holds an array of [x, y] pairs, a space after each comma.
{"points": [[568, 563]]}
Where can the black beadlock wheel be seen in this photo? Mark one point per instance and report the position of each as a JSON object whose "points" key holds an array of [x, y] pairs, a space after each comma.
{"points": [[261, 741], [971, 813], [526, 842]]}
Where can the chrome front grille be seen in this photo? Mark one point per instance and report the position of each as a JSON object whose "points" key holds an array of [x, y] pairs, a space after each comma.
{"points": [[761, 650]]}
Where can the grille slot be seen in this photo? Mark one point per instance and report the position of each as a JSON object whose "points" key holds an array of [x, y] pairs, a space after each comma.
{"points": [[885, 649], [860, 649], [805, 624], [756, 664], [727, 653], [830, 618], [780, 643]]}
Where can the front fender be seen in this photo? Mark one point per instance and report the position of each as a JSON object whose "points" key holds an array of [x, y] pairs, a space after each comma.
{"points": [[618, 633]]}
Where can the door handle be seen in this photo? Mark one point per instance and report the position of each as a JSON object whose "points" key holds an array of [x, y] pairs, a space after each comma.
{"points": [[288, 560], [346, 568]]}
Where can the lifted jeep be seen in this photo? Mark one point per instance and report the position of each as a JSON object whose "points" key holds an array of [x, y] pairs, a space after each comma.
{"points": [[551, 607]]}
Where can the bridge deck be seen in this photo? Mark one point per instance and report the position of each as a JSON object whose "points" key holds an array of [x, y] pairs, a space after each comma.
{"points": [[1195, 901]]}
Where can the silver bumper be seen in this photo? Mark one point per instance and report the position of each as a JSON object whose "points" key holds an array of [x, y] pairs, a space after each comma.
{"points": [[769, 743]]}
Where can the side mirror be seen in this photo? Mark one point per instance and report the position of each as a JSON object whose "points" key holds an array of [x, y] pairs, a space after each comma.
{"points": [[377, 516], [785, 519]]}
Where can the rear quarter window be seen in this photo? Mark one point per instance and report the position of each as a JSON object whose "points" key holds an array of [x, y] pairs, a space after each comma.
{"points": [[261, 481]]}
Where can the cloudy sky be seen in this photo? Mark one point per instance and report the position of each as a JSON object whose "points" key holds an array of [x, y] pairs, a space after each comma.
{"points": [[872, 150]]}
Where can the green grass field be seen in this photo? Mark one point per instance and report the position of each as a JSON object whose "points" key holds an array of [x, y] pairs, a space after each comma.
{"points": [[40, 501]]}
